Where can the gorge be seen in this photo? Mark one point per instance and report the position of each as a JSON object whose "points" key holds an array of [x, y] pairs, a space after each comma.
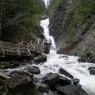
{"points": [[65, 60]]}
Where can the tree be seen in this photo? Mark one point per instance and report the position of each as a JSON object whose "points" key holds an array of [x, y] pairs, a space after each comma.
{"points": [[20, 18]]}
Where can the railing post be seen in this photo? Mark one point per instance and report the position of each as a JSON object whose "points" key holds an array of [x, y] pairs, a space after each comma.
{"points": [[29, 52], [2, 48], [18, 52]]}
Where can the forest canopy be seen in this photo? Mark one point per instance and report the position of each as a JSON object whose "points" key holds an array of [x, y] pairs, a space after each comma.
{"points": [[20, 18]]}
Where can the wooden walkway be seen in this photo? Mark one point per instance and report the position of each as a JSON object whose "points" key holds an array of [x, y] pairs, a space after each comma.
{"points": [[8, 49]]}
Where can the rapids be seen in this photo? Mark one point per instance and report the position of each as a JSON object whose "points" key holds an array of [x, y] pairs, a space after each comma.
{"points": [[69, 63]]}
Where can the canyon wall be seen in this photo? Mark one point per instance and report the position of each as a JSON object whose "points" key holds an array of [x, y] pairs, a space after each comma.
{"points": [[72, 23]]}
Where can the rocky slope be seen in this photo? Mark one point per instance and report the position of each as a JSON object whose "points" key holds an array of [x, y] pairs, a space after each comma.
{"points": [[72, 23]]}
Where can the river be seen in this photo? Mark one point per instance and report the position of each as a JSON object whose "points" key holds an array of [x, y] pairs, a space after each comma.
{"points": [[69, 63]]}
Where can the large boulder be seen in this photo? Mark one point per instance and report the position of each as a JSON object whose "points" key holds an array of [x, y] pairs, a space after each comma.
{"points": [[64, 72], [63, 81], [54, 79], [51, 79], [19, 78], [34, 70], [70, 90]]}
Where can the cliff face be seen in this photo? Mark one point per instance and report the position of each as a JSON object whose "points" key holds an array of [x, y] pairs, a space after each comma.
{"points": [[57, 19], [73, 26]]}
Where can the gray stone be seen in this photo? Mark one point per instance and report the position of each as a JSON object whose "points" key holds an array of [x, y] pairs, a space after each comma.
{"points": [[34, 70], [19, 78], [81, 60], [92, 70], [63, 81], [43, 88], [51, 79], [64, 72], [41, 58], [75, 81], [69, 90]]}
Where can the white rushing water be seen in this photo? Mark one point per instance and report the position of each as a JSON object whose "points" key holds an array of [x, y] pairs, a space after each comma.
{"points": [[44, 24], [69, 63], [46, 2]]}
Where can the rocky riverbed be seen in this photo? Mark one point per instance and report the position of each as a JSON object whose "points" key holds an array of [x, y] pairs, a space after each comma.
{"points": [[27, 79]]}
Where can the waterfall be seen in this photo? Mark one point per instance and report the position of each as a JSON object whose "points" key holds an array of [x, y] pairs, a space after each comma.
{"points": [[44, 24], [46, 3]]}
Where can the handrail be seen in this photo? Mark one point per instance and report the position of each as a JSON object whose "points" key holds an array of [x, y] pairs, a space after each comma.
{"points": [[21, 48]]}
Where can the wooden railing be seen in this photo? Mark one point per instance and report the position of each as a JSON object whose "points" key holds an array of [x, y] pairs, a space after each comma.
{"points": [[8, 48]]}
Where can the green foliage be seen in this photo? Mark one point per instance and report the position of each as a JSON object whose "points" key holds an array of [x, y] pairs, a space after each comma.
{"points": [[20, 18], [80, 14], [78, 20]]}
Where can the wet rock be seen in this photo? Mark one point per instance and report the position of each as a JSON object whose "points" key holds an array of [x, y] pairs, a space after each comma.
{"points": [[64, 72], [41, 58], [47, 48], [19, 78], [5, 65], [92, 70], [35, 79], [68, 90], [51, 79], [81, 60], [75, 81], [63, 81], [63, 85], [19, 72], [34, 70], [43, 88]]}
